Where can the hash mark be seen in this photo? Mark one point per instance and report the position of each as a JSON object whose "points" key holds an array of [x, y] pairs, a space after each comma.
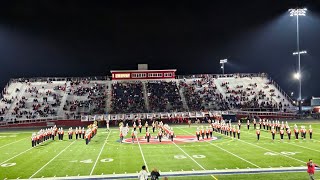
{"points": [[181, 169], [78, 174], [237, 167], [114, 173]]}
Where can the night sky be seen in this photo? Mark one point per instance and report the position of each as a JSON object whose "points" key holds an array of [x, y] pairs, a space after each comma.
{"points": [[89, 38]]}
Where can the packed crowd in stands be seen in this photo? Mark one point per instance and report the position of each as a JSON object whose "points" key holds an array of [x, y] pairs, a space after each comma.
{"points": [[164, 96], [202, 94], [127, 98], [85, 97]]}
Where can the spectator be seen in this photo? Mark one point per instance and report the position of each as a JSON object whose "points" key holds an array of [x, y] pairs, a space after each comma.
{"points": [[143, 175]]}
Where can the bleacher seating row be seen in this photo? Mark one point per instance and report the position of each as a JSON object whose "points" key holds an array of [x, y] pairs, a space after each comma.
{"points": [[69, 99]]}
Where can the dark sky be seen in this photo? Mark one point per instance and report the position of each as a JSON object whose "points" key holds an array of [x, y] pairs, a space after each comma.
{"points": [[87, 38]]}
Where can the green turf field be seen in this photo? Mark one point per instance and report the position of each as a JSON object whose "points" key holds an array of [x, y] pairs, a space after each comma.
{"points": [[106, 156]]}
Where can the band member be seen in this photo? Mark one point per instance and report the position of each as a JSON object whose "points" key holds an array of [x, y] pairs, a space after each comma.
{"points": [[303, 132], [273, 132], [79, 132], [33, 139], [238, 133], [172, 134], [108, 125], [254, 123], [230, 130], [133, 135], [146, 126], [70, 133], [198, 134], [153, 126], [310, 131], [160, 135], [83, 132], [239, 124], [207, 133], [134, 126], [76, 132], [202, 132], [289, 133], [281, 133], [296, 132], [260, 123], [88, 136], [267, 124], [248, 124], [258, 133], [264, 123], [234, 131], [140, 127], [210, 131], [121, 137], [148, 136], [189, 123]]}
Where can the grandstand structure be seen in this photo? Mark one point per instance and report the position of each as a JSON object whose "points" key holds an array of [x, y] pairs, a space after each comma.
{"points": [[164, 95]]}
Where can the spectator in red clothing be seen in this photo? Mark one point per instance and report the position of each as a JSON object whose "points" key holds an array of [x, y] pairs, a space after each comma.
{"points": [[311, 168]]}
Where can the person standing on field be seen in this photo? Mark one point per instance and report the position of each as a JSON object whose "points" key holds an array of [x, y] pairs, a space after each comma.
{"points": [[311, 168]]}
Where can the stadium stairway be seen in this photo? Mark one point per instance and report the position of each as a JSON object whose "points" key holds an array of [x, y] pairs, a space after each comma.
{"points": [[146, 97], [183, 98], [220, 89], [109, 96], [64, 99]]}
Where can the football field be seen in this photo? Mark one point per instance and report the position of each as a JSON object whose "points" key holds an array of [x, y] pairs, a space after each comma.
{"points": [[220, 157]]}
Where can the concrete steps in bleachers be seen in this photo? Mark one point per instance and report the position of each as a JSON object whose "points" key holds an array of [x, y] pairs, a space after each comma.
{"points": [[109, 97], [183, 98], [146, 96], [63, 100]]}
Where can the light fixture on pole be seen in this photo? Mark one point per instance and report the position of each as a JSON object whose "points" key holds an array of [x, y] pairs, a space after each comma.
{"points": [[222, 62], [298, 12]]}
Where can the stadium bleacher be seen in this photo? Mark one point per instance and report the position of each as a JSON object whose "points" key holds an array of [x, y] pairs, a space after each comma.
{"points": [[69, 99]]}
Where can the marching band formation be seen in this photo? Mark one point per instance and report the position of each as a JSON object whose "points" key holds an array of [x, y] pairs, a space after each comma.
{"points": [[50, 133], [163, 130]]}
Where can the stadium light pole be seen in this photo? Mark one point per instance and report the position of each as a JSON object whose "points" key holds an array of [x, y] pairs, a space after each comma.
{"points": [[298, 12], [222, 62]]}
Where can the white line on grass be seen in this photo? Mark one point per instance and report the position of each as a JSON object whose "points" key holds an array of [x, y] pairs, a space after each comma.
{"points": [[292, 145], [51, 160], [12, 143], [189, 156], [100, 153], [144, 160], [303, 147], [16, 156], [228, 152], [272, 151]]}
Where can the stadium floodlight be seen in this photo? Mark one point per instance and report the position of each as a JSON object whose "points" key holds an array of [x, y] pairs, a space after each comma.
{"points": [[298, 12], [301, 52], [297, 75], [222, 62]]}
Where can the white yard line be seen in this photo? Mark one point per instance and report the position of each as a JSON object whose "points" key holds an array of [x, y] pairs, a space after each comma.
{"points": [[100, 153], [272, 151], [51, 160], [144, 160], [12, 143], [189, 156], [16, 156], [193, 159], [292, 144], [228, 152]]}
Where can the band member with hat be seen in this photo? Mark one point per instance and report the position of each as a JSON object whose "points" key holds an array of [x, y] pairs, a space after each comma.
{"points": [[258, 133]]}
